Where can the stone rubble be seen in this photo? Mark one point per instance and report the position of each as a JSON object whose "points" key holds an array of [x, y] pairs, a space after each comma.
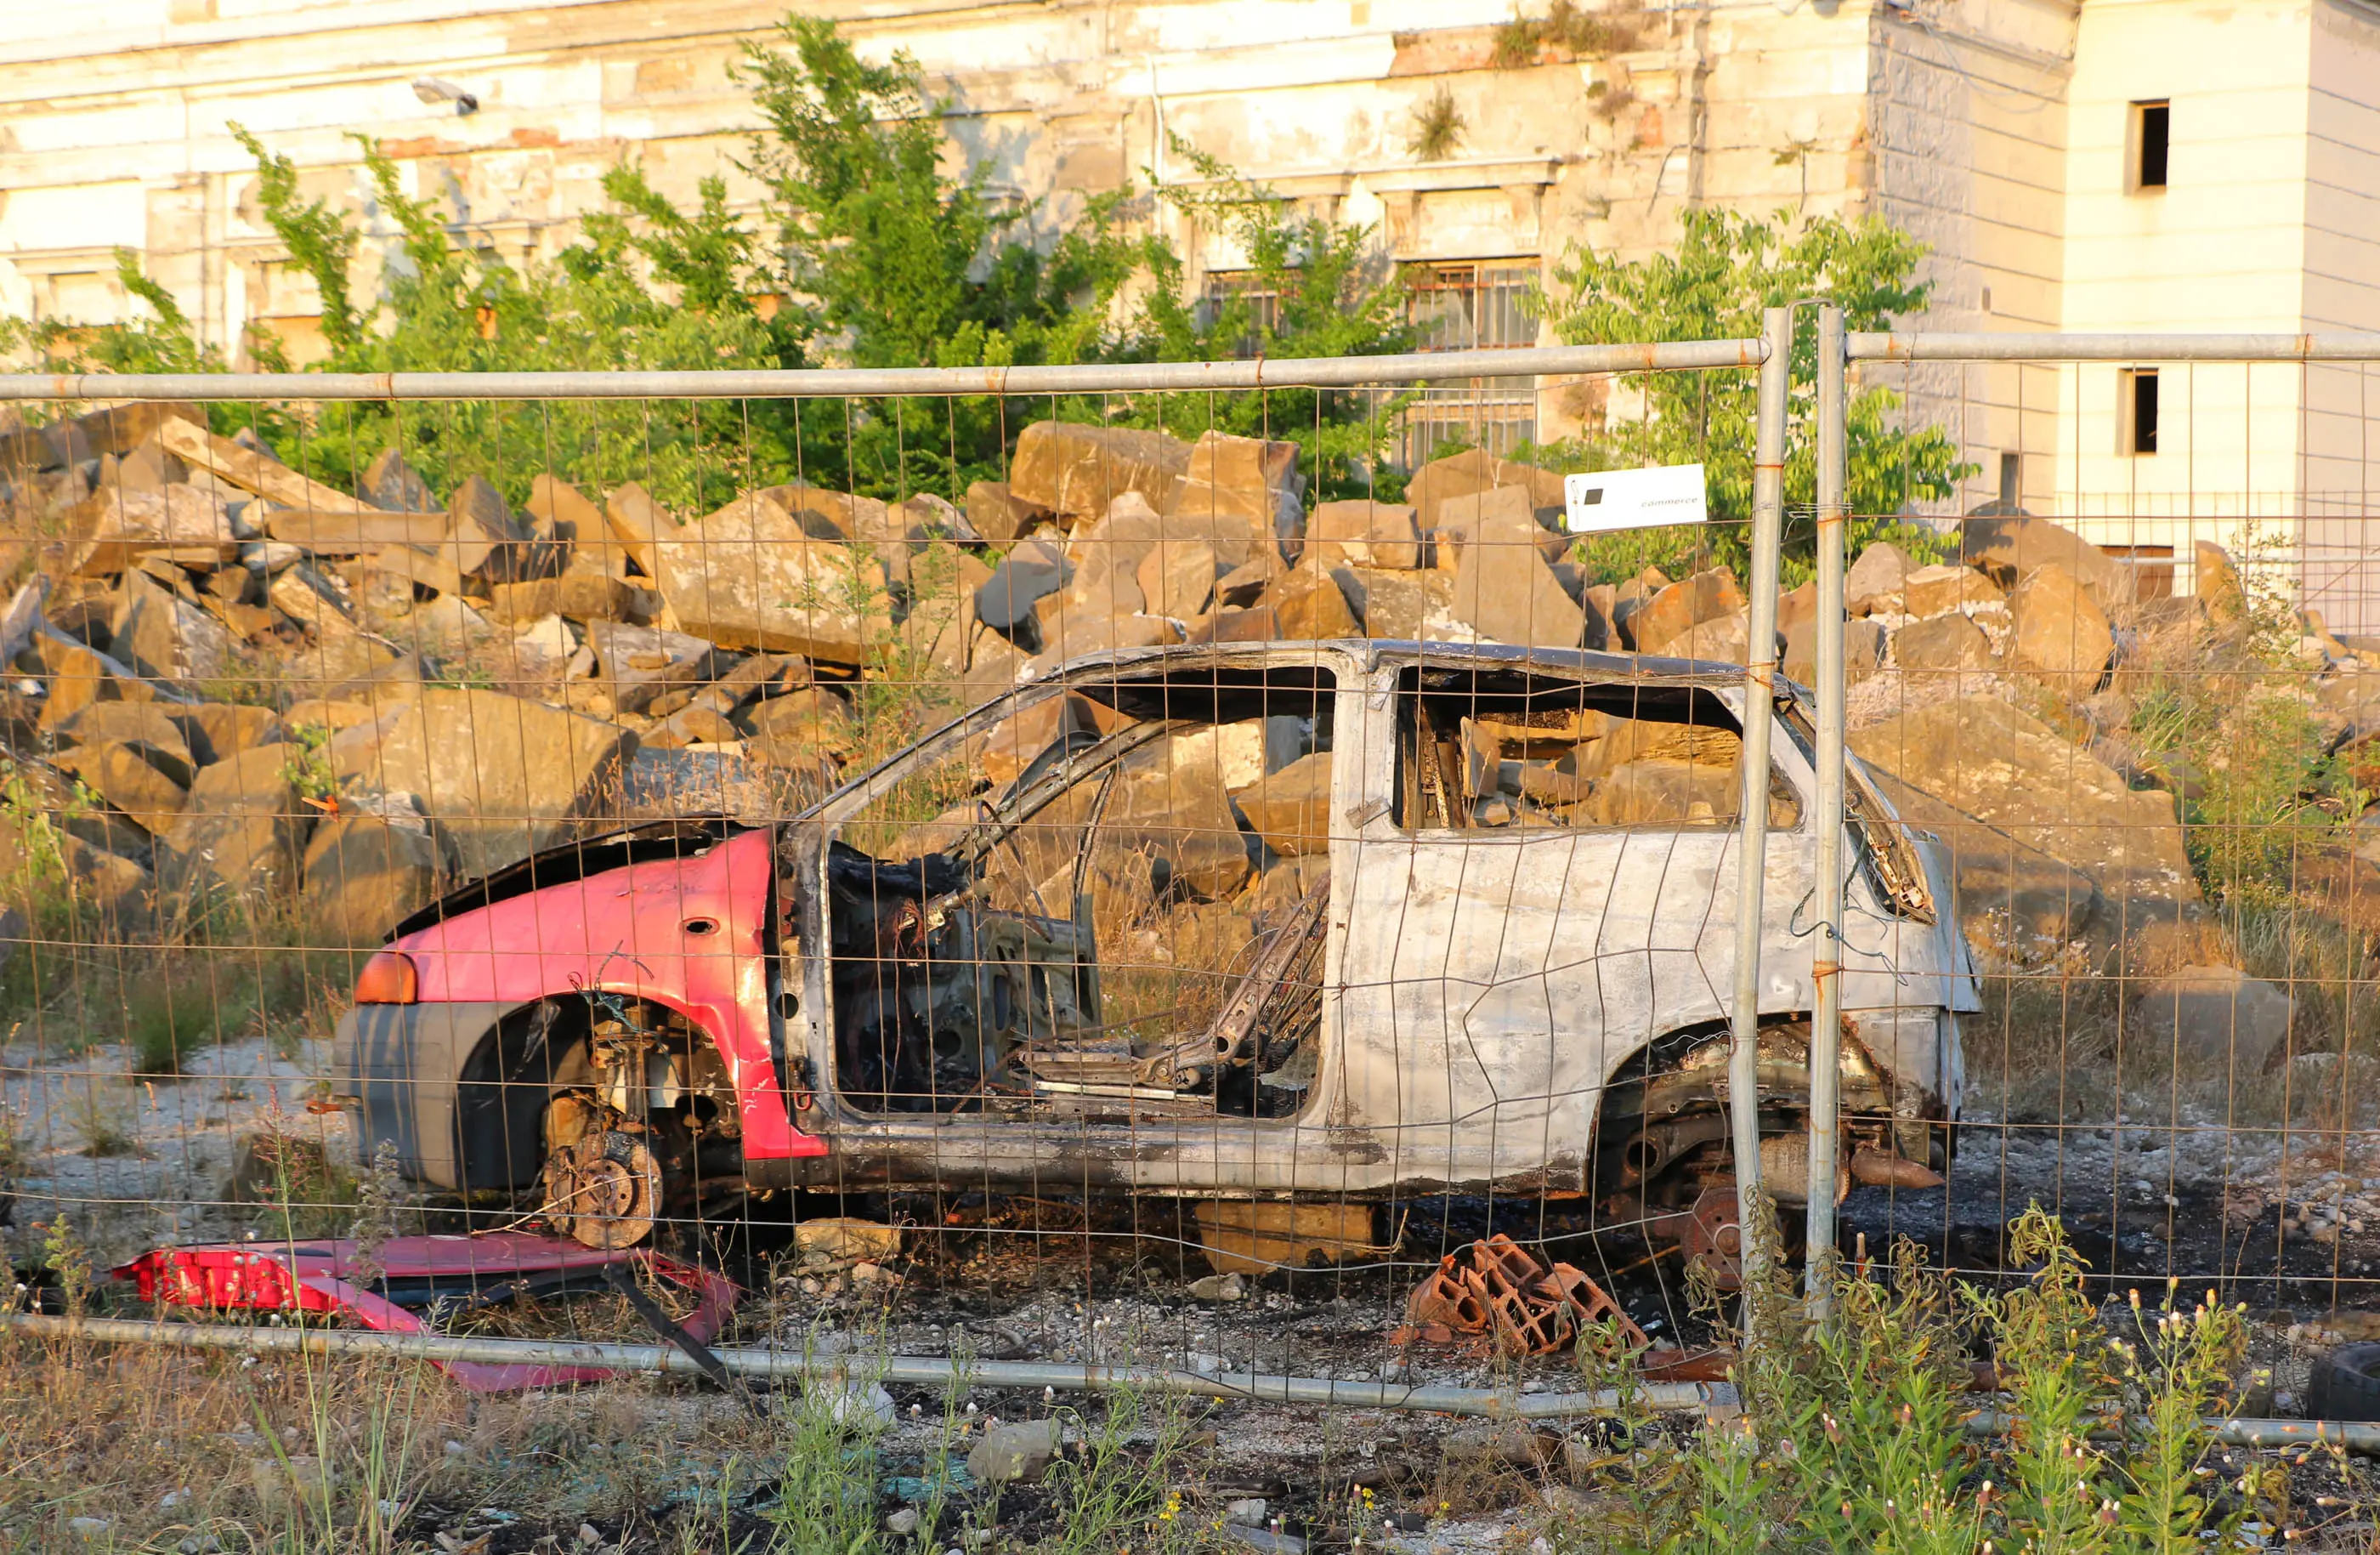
{"points": [[228, 674]]}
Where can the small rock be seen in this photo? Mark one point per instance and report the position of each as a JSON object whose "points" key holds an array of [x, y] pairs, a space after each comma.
{"points": [[902, 1523], [1021, 1454], [847, 1238], [88, 1528], [853, 1404], [1249, 1514], [588, 1536], [1220, 1287]]}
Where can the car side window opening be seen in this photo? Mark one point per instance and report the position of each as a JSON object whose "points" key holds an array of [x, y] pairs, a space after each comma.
{"points": [[1110, 905], [1509, 750]]}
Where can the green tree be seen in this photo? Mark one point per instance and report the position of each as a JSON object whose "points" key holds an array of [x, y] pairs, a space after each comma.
{"points": [[1725, 270], [1313, 288], [868, 251]]}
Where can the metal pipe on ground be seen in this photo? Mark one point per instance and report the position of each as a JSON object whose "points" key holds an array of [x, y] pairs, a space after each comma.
{"points": [[2355, 1436], [918, 1370], [1113, 377]]}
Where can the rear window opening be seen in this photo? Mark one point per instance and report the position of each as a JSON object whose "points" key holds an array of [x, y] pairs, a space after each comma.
{"points": [[1514, 751]]}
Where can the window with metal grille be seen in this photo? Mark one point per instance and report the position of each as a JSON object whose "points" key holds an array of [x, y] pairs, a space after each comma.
{"points": [[1471, 306], [1226, 287]]}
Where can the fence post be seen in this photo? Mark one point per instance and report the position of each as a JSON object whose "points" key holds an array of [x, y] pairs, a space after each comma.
{"points": [[1826, 1018], [1759, 705]]}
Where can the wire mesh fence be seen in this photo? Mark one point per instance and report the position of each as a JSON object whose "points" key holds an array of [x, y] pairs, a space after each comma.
{"points": [[1144, 864], [2129, 694]]}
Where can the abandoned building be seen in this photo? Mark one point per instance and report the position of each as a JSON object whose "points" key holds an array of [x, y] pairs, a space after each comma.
{"points": [[2121, 165]]}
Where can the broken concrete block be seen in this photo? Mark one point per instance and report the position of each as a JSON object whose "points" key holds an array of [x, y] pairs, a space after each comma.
{"points": [[1724, 639], [122, 525], [1863, 643], [1504, 590], [483, 539], [1874, 581], [1074, 470], [1178, 816], [2214, 1015], [1990, 780], [2011, 546], [499, 777], [158, 727], [1023, 579], [1308, 604], [637, 522], [1666, 791], [1942, 644], [1397, 605], [366, 872], [561, 513], [1471, 472], [635, 664], [1177, 577], [2061, 634], [244, 827], [1014, 743], [1364, 534], [941, 626], [159, 635], [2218, 587], [73, 676], [1291, 808], [750, 576], [1674, 611], [814, 717], [393, 486], [218, 731], [252, 469], [133, 779], [998, 514], [1242, 494], [1929, 591]]}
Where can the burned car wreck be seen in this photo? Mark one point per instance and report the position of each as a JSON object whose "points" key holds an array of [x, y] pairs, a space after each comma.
{"points": [[1331, 924]]}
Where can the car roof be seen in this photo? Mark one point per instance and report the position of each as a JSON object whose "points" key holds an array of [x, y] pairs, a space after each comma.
{"points": [[1377, 653]]}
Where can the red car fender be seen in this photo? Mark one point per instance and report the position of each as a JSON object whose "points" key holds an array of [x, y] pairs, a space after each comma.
{"points": [[689, 934]]}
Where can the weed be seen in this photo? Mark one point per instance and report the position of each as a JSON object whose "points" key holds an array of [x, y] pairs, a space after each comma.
{"points": [[309, 1194], [308, 770], [1566, 28], [1438, 127], [68, 1261], [1109, 1491], [103, 1119], [1855, 1433]]}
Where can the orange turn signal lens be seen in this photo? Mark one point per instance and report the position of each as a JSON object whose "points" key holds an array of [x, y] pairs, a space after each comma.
{"points": [[389, 978]]}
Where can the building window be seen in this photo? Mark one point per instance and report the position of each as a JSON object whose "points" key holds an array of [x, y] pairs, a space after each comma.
{"points": [[2136, 410], [2012, 482], [1263, 303], [2147, 145], [1472, 306]]}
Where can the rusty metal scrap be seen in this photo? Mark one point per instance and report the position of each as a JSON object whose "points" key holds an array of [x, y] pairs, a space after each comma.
{"points": [[1496, 1287]]}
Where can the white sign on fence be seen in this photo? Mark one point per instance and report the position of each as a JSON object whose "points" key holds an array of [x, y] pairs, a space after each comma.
{"points": [[1636, 499]]}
